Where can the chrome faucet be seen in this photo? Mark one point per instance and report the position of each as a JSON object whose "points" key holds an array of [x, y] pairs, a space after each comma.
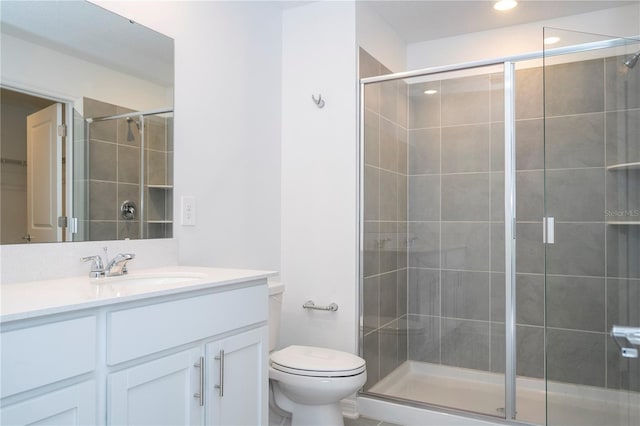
{"points": [[117, 266]]}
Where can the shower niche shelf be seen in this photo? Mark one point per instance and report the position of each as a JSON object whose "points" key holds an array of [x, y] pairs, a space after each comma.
{"points": [[160, 204], [152, 186], [625, 166], [631, 219]]}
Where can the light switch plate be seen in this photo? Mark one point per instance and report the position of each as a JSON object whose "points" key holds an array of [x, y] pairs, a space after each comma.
{"points": [[188, 208]]}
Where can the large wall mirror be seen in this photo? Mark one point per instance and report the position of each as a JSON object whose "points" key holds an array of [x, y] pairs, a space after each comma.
{"points": [[86, 121]]}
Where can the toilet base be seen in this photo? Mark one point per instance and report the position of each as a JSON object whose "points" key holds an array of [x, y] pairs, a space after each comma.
{"points": [[317, 415], [327, 414]]}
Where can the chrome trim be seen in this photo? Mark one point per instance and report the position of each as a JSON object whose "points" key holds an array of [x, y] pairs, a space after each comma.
{"points": [[200, 393], [360, 216], [603, 44], [143, 181], [140, 113], [220, 387], [510, 240], [548, 230], [309, 304], [631, 335]]}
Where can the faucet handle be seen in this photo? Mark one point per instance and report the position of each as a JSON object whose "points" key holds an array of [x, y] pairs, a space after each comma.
{"points": [[97, 267], [97, 262]]}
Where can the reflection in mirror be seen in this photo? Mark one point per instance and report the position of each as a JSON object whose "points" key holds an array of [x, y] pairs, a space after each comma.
{"points": [[126, 176], [87, 125]]}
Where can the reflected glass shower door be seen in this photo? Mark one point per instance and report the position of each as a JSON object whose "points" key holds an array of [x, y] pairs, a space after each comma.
{"points": [[592, 269]]}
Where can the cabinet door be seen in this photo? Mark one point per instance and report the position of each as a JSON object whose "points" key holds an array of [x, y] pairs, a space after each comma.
{"points": [[74, 405], [238, 380], [159, 392]]}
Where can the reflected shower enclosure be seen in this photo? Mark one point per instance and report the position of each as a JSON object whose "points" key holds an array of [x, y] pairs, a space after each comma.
{"points": [[123, 177], [463, 306]]}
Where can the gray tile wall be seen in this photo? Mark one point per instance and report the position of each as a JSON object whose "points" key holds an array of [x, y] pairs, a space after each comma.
{"points": [[454, 232], [114, 174], [455, 229], [385, 226], [593, 270]]}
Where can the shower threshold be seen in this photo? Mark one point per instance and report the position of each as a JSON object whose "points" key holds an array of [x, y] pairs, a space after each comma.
{"points": [[483, 393]]}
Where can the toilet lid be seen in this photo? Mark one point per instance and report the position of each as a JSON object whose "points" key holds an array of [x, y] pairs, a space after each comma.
{"points": [[319, 362]]}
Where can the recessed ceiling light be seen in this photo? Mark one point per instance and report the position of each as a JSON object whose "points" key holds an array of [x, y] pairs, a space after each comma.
{"points": [[551, 40], [430, 92], [505, 5]]}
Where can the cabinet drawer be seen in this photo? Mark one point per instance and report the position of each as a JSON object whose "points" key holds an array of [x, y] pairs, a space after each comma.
{"points": [[37, 356], [132, 333], [74, 405]]}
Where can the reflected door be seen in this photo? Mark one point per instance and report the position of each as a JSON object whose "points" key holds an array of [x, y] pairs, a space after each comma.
{"points": [[592, 270], [44, 175]]}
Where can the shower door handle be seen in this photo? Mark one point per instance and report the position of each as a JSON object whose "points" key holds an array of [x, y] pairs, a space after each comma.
{"points": [[548, 230]]}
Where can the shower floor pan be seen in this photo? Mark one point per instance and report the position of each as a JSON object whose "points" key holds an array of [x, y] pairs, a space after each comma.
{"points": [[482, 392]]}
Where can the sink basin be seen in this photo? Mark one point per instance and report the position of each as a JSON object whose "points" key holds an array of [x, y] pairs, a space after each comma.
{"points": [[162, 278]]}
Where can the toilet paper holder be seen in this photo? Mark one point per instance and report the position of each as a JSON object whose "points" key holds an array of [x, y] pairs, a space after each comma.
{"points": [[309, 304]]}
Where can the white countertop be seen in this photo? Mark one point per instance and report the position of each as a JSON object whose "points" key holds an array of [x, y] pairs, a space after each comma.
{"points": [[36, 298]]}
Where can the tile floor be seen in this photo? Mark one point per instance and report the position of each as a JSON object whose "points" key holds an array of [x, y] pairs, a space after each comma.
{"points": [[364, 421]]}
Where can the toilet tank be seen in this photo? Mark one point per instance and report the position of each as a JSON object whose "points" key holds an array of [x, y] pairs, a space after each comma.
{"points": [[276, 289]]}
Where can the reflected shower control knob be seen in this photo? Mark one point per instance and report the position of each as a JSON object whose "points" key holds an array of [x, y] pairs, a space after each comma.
{"points": [[128, 210]]}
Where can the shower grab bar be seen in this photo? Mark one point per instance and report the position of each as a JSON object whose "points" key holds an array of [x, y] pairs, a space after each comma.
{"points": [[631, 335], [309, 304]]}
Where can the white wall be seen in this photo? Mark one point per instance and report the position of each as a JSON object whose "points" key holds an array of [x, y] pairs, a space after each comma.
{"points": [[66, 77], [319, 220], [616, 22], [379, 39]]}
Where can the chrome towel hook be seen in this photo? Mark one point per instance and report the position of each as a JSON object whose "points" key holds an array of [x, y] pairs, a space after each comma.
{"points": [[319, 102]]}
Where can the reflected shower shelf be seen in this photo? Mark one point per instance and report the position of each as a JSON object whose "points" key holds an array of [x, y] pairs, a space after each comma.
{"points": [[159, 221], [625, 166], [623, 222], [160, 186]]}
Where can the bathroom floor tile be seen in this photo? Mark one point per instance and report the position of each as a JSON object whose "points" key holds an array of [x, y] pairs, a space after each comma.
{"points": [[365, 421]]}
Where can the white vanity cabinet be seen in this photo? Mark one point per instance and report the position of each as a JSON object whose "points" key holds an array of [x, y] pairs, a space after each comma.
{"points": [[192, 357], [59, 356], [171, 390], [158, 392], [169, 387], [69, 406], [235, 393]]}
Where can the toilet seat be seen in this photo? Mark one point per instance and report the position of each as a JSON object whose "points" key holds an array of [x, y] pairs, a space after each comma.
{"points": [[317, 362]]}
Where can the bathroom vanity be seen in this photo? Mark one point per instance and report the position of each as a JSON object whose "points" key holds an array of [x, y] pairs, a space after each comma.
{"points": [[170, 346]]}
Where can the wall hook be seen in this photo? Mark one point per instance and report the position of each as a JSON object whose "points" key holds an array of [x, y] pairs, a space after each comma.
{"points": [[319, 102]]}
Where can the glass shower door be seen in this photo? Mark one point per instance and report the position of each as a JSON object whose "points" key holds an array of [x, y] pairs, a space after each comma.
{"points": [[433, 273], [592, 255]]}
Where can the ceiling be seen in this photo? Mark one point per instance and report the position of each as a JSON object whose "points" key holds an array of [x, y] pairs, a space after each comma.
{"points": [[416, 21], [88, 31]]}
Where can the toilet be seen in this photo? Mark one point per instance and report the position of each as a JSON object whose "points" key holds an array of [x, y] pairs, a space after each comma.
{"points": [[308, 382]]}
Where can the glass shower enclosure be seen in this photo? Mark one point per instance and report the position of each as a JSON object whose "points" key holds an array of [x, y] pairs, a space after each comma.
{"points": [[493, 266]]}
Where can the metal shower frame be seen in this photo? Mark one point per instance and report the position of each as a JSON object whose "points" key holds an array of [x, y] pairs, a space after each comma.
{"points": [[510, 190]]}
